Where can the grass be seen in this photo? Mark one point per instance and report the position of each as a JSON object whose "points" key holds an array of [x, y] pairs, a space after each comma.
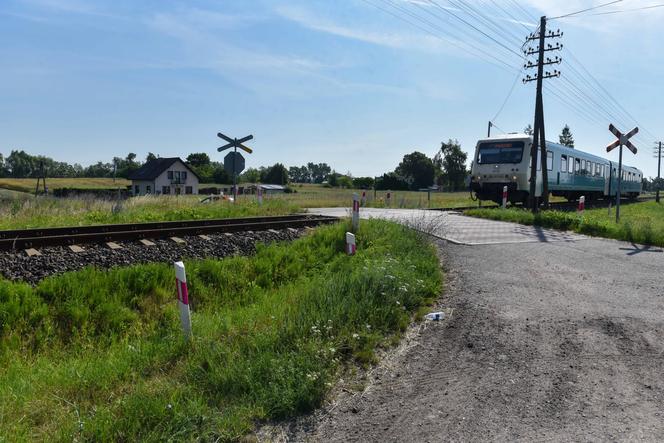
{"points": [[99, 355], [639, 222], [78, 211], [29, 184], [316, 196]]}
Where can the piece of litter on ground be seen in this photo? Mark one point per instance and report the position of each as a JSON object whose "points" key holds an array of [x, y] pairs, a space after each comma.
{"points": [[435, 316]]}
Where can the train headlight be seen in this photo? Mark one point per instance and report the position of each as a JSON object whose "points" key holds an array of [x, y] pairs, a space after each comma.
{"points": [[514, 177]]}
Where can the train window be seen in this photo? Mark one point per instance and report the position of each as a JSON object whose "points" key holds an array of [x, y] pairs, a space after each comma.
{"points": [[563, 163], [504, 152], [577, 165], [570, 165], [549, 161]]}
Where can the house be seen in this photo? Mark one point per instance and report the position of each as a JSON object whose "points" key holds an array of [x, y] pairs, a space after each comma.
{"points": [[165, 176]]}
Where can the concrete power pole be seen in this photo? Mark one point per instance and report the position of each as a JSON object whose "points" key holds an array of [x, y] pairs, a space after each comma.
{"points": [[539, 137]]}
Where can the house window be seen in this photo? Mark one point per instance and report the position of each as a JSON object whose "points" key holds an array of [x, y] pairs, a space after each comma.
{"points": [[183, 176], [177, 176], [549, 161], [563, 163], [148, 189], [137, 190], [188, 190], [165, 190], [169, 174], [178, 191]]}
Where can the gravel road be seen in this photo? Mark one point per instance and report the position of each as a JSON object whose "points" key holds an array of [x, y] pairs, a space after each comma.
{"points": [[552, 341]]}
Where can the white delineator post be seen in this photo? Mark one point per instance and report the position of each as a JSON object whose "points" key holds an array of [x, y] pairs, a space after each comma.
{"points": [[363, 202], [350, 243], [183, 298], [387, 199], [356, 212], [259, 194], [504, 197], [582, 204]]}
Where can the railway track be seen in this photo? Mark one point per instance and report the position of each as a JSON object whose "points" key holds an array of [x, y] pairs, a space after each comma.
{"points": [[74, 235], [558, 206]]}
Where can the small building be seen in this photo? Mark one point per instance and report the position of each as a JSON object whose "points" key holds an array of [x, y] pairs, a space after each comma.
{"points": [[164, 176]]}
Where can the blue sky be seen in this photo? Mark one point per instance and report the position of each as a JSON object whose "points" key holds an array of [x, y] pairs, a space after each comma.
{"points": [[342, 82]]}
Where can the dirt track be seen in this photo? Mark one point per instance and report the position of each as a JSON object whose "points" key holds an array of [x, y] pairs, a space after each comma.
{"points": [[548, 341]]}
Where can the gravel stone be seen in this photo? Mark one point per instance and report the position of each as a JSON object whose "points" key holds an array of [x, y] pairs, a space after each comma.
{"points": [[17, 265]]}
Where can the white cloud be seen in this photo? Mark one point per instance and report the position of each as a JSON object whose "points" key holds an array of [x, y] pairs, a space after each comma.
{"points": [[410, 41]]}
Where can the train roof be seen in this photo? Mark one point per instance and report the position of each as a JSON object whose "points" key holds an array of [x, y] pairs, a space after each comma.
{"points": [[565, 149]]}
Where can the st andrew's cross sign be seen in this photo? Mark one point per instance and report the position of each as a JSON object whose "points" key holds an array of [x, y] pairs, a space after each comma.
{"points": [[234, 162], [623, 140]]}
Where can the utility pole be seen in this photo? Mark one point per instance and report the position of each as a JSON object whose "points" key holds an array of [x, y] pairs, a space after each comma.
{"points": [[488, 132], [659, 165], [539, 137]]}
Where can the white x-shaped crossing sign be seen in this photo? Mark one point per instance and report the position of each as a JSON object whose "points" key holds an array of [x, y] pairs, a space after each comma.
{"points": [[623, 139]]}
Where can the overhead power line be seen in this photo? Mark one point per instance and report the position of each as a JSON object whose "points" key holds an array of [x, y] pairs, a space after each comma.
{"points": [[586, 10], [620, 11]]}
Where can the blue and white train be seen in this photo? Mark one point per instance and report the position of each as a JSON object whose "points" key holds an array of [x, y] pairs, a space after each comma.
{"points": [[505, 161]]}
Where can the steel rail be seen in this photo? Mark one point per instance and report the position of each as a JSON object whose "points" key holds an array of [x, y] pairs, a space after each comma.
{"points": [[552, 205], [34, 238]]}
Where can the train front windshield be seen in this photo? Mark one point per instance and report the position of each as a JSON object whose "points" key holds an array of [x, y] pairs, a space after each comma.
{"points": [[501, 152]]}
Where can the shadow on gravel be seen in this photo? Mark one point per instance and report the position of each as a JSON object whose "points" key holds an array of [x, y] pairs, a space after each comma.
{"points": [[635, 249]]}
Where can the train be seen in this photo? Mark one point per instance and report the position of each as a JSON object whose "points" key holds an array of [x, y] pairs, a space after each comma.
{"points": [[505, 160]]}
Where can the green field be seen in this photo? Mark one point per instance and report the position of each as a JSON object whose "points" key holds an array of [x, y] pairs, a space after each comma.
{"points": [[639, 222], [29, 184], [99, 356], [312, 196]]}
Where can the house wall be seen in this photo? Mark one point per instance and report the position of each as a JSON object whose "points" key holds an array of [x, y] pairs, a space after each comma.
{"points": [[163, 180], [142, 187]]}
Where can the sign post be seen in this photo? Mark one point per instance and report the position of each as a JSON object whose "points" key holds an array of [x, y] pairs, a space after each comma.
{"points": [[259, 194], [356, 212], [623, 139], [351, 247], [183, 298], [234, 162], [504, 197]]}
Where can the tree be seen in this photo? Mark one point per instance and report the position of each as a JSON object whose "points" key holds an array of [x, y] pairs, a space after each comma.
{"points": [[3, 172], [566, 138], [277, 174], [318, 172], [19, 164], [251, 175], [198, 159], [299, 174], [220, 175], [453, 165], [150, 157], [417, 170], [528, 129], [391, 181], [363, 182]]}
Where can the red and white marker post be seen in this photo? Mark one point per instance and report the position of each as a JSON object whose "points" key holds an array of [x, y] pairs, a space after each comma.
{"points": [[356, 212], [582, 204], [504, 197], [351, 247], [183, 298], [387, 199], [259, 194], [363, 202]]}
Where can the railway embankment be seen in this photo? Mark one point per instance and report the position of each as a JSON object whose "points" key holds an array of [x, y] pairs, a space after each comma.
{"points": [[99, 354]]}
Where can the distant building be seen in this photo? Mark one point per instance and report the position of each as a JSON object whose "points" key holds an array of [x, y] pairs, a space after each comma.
{"points": [[164, 176]]}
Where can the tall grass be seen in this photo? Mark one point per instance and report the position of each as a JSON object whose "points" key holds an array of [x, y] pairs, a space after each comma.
{"points": [[48, 211], [98, 355], [639, 222]]}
